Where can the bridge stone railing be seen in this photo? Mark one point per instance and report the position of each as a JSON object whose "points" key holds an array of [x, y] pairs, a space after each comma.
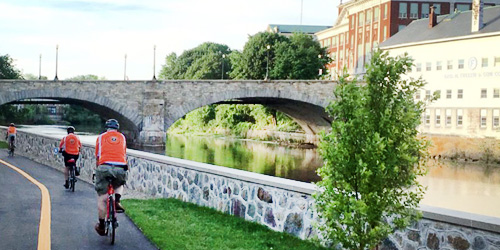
{"points": [[281, 204]]}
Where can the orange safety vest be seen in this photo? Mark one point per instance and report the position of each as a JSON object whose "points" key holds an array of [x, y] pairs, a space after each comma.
{"points": [[71, 144], [111, 148], [12, 130]]}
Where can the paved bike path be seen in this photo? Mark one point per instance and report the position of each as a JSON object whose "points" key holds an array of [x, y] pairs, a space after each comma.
{"points": [[73, 214]]}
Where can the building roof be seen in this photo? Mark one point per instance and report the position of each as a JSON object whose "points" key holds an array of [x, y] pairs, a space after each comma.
{"points": [[308, 29], [448, 26]]}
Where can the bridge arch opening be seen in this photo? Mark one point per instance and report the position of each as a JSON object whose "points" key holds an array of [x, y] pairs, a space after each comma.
{"points": [[127, 126], [311, 118]]}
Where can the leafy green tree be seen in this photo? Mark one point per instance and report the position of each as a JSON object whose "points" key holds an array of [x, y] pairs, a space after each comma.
{"points": [[88, 77], [30, 76], [372, 156], [253, 61], [202, 62], [78, 115], [297, 57], [300, 58], [7, 68]]}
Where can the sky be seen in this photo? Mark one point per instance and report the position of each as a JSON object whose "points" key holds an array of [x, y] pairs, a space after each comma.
{"points": [[94, 36]]}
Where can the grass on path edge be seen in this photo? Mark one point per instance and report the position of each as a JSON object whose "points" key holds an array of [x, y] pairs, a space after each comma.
{"points": [[173, 224]]}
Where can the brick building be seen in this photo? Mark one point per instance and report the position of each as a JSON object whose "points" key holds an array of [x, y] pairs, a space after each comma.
{"points": [[363, 25]]}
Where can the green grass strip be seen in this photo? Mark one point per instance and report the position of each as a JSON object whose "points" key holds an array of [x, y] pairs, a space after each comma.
{"points": [[173, 224], [3, 144]]}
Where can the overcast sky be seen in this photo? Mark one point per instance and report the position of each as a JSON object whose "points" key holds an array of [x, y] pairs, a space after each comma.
{"points": [[94, 35]]}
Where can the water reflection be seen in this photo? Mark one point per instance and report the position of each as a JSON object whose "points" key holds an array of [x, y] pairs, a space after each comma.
{"points": [[467, 187], [259, 157]]}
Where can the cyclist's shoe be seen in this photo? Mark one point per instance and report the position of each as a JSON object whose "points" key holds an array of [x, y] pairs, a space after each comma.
{"points": [[119, 208], [66, 185], [100, 230]]}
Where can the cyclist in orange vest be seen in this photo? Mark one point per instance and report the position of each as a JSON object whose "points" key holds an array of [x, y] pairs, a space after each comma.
{"points": [[11, 134], [70, 148], [111, 161]]}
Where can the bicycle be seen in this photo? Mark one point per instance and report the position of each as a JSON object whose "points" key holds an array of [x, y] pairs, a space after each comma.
{"points": [[111, 222], [71, 163]]}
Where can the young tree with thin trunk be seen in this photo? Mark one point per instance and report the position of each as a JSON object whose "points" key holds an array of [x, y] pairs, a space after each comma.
{"points": [[372, 156]]}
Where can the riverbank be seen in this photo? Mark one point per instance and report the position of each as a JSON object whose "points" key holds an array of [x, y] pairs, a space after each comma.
{"points": [[462, 149], [290, 139]]}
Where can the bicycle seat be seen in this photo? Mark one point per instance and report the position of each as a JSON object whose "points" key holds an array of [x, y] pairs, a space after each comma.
{"points": [[71, 161]]}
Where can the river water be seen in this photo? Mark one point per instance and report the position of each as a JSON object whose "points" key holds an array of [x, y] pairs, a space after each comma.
{"points": [[473, 188]]}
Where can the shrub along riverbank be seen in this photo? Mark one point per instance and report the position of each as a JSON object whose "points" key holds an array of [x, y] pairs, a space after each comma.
{"points": [[233, 119], [173, 224]]}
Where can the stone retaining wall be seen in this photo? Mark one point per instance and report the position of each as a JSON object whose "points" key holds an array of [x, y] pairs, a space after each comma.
{"points": [[280, 204]]}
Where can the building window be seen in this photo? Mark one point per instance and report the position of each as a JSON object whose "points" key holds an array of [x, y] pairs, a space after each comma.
{"points": [[460, 94], [414, 10], [449, 65], [484, 113], [428, 66], [376, 14], [341, 42], [484, 93], [484, 62], [401, 26], [438, 65], [368, 16], [385, 10], [460, 116], [497, 61], [496, 118], [448, 118], [403, 10], [427, 117], [463, 7], [417, 95], [361, 19], [419, 67], [448, 94], [385, 33], [496, 93], [437, 114], [428, 94], [461, 63], [437, 9], [425, 10]]}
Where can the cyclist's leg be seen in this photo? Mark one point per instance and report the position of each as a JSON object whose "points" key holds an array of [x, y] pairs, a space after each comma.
{"points": [[101, 187], [120, 179], [101, 206], [12, 139], [66, 169]]}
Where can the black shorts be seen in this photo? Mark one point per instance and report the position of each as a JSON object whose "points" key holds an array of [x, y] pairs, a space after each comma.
{"points": [[67, 157]]}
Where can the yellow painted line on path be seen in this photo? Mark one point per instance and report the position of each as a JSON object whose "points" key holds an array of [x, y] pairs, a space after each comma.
{"points": [[44, 227]]}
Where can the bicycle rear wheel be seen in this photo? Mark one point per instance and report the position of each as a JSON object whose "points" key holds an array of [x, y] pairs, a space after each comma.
{"points": [[72, 179], [11, 148], [112, 220]]}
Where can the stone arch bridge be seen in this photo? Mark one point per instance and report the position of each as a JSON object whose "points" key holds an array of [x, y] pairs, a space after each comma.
{"points": [[146, 109]]}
